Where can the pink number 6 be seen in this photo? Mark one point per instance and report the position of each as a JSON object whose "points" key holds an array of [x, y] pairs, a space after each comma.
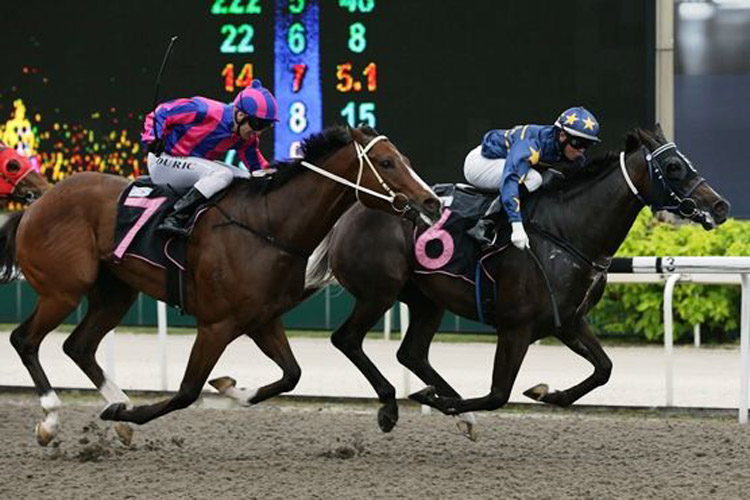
{"points": [[436, 232]]}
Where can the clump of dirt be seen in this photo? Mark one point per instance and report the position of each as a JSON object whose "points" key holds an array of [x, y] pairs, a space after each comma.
{"points": [[344, 451], [97, 443]]}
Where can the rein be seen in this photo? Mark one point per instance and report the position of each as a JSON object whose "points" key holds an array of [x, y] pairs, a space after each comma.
{"points": [[268, 238], [362, 157], [567, 247]]}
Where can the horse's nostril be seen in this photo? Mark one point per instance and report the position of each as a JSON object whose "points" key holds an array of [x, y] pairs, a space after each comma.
{"points": [[432, 204], [721, 208]]}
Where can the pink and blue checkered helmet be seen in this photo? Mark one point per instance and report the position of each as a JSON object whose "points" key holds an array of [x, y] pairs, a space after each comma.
{"points": [[579, 122], [257, 101]]}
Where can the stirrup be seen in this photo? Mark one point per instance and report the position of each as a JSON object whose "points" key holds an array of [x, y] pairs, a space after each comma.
{"points": [[479, 232]]}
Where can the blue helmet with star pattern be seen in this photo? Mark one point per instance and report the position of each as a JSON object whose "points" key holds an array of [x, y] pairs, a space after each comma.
{"points": [[579, 121]]}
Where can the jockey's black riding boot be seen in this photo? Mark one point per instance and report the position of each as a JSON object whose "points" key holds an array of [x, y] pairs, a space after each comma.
{"points": [[484, 230], [176, 221]]}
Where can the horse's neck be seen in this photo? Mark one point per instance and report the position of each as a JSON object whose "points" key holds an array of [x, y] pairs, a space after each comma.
{"points": [[305, 209], [598, 221]]}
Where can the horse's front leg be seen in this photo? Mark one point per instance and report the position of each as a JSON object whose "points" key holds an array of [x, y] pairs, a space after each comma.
{"points": [[208, 346], [424, 320], [348, 339], [582, 341], [511, 348], [271, 339]]}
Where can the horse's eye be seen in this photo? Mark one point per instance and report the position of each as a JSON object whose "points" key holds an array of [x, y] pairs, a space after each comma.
{"points": [[386, 164], [13, 166], [675, 170]]}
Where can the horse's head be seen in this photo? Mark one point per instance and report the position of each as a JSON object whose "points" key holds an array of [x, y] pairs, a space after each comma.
{"points": [[383, 168], [673, 184], [18, 179]]}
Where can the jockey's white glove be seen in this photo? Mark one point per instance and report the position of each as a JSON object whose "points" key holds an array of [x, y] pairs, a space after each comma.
{"points": [[519, 237]]}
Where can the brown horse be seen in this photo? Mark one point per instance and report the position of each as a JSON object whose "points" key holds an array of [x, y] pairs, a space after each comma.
{"points": [[239, 282], [19, 181], [578, 228]]}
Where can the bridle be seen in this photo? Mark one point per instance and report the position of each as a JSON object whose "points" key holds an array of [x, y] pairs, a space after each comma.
{"points": [[14, 181], [662, 193], [391, 196]]}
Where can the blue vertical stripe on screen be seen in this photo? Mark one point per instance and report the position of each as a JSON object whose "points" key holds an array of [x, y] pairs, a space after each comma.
{"points": [[310, 93]]}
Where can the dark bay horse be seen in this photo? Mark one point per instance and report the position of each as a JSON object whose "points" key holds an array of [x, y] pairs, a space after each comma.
{"points": [[580, 225], [238, 283]]}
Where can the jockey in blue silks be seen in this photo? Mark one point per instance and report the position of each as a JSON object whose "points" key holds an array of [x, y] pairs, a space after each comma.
{"points": [[509, 158]]}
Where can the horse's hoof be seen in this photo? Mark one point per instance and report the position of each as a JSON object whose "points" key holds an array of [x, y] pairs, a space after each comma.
{"points": [[426, 396], [43, 434], [387, 417], [538, 392], [221, 384], [467, 429], [124, 433], [111, 411]]}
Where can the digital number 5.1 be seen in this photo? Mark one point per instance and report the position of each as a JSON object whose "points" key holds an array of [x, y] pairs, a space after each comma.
{"points": [[364, 114]]}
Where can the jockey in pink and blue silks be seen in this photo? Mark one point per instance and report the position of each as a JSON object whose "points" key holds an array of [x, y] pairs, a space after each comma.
{"points": [[187, 137]]}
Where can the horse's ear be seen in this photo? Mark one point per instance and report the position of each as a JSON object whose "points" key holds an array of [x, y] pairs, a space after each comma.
{"points": [[648, 138], [659, 133], [632, 142], [355, 133]]}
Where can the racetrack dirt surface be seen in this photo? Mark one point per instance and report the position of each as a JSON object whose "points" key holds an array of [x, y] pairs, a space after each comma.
{"points": [[285, 449]]}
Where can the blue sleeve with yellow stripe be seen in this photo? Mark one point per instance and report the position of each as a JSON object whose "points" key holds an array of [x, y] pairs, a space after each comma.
{"points": [[522, 156], [495, 144]]}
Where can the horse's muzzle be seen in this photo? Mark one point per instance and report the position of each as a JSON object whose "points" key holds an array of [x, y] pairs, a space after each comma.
{"points": [[428, 212]]}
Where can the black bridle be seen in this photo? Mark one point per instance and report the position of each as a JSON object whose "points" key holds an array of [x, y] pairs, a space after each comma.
{"points": [[663, 193]]}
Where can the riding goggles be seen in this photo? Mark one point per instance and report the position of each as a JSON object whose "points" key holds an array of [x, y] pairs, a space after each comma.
{"points": [[578, 143]]}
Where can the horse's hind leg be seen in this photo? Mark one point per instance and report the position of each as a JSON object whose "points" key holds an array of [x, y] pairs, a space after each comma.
{"points": [[108, 302], [582, 341], [348, 339], [209, 344], [50, 311], [272, 340]]}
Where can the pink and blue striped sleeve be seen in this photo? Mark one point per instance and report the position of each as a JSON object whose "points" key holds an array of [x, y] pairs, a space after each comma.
{"points": [[252, 157], [179, 111]]}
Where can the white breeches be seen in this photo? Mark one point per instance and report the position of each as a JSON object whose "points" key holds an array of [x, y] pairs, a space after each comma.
{"points": [[486, 173], [207, 176]]}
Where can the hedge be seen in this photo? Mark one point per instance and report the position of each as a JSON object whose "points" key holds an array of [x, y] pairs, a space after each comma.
{"points": [[636, 310]]}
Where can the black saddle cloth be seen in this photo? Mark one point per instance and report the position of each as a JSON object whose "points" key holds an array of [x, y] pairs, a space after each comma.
{"points": [[140, 209], [445, 247]]}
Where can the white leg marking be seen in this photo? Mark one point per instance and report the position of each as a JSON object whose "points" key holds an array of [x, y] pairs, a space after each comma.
{"points": [[243, 396], [469, 418], [50, 404], [112, 393]]}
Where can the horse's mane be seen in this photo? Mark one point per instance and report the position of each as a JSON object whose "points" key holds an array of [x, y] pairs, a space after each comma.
{"points": [[580, 180], [314, 147]]}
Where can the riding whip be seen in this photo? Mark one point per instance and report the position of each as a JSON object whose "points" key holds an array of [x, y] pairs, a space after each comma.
{"points": [[158, 78]]}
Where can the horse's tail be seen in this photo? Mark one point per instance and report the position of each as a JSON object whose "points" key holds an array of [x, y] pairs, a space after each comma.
{"points": [[318, 273], [8, 269]]}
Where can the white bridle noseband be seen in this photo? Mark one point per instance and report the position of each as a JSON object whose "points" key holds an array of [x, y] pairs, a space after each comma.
{"points": [[362, 157]]}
